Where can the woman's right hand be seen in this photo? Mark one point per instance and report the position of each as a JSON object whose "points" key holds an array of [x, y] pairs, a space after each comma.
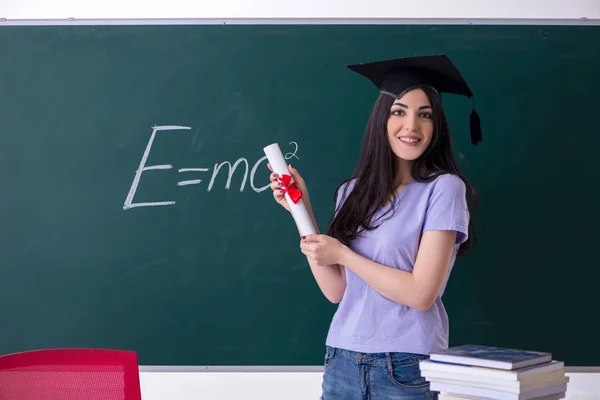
{"points": [[277, 187]]}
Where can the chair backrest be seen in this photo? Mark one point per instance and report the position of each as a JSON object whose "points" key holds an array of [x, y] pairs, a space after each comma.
{"points": [[70, 374]]}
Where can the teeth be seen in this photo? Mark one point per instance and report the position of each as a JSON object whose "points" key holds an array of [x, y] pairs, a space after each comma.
{"points": [[407, 140]]}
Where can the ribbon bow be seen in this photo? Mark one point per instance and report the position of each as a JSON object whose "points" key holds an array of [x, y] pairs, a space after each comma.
{"points": [[290, 188]]}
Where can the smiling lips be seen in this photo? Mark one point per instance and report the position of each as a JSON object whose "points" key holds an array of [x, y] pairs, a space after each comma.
{"points": [[409, 140]]}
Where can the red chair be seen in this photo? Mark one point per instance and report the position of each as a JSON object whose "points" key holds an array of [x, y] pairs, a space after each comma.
{"points": [[70, 374]]}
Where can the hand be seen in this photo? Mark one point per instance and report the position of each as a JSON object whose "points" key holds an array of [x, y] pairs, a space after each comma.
{"points": [[277, 189], [322, 249]]}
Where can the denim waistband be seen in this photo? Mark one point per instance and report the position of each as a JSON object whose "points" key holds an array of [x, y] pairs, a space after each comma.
{"points": [[389, 358]]}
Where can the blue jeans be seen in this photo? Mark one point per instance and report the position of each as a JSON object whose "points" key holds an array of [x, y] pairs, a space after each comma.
{"points": [[374, 376]]}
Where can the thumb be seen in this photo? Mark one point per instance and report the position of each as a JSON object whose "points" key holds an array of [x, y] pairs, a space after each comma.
{"points": [[295, 173]]}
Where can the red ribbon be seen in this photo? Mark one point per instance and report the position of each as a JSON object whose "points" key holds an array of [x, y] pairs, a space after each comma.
{"points": [[290, 188]]}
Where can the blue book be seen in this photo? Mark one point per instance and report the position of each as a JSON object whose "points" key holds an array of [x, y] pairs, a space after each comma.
{"points": [[491, 357]]}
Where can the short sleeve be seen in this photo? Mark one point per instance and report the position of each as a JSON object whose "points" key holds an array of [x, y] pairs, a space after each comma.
{"points": [[447, 209], [342, 194]]}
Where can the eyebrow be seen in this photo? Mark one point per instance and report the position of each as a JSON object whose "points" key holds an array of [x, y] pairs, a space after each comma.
{"points": [[405, 106]]}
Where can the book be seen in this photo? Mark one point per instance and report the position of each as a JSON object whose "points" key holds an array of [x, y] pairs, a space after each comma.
{"points": [[493, 357], [480, 393], [515, 387], [477, 380], [451, 396], [456, 371]]}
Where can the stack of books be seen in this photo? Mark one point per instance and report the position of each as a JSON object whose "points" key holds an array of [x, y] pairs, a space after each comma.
{"points": [[492, 373]]}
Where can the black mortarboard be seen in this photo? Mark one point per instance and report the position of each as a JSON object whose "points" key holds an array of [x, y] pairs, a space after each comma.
{"points": [[398, 76]]}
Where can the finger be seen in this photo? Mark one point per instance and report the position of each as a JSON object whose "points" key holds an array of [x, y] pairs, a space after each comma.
{"points": [[306, 252], [306, 247], [275, 185], [311, 238], [269, 166], [273, 177], [295, 173]]}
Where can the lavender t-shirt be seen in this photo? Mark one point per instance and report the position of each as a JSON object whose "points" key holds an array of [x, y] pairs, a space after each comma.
{"points": [[366, 321]]}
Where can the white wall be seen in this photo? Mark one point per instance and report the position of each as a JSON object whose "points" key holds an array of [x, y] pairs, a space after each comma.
{"points": [[279, 386], [225, 9], [297, 385]]}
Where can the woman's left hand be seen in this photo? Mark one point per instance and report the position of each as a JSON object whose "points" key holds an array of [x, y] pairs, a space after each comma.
{"points": [[322, 249]]}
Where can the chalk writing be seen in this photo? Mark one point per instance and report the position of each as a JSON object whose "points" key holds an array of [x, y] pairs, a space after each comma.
{"points": [[193, 181], [241, 163], [138, 174], [290, 155]]}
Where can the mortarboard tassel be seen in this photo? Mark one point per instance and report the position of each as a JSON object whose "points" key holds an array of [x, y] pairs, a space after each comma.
{"points": [[476, 136]]}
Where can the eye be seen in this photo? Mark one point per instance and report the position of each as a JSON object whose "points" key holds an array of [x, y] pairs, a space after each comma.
{"points": [[397, 112], [426, 115]]}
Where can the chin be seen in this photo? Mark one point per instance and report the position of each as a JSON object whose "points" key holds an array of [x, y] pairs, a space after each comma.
{"points": [[408, 155]]}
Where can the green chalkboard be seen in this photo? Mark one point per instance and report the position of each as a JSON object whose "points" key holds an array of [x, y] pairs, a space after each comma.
{"points": [[215, 277]]}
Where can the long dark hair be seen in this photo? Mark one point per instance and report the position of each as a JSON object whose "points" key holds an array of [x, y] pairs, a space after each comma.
{"points": [[375, 173]]}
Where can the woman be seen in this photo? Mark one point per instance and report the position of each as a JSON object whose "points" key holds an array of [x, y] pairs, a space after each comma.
{"points": [[400, 223]]}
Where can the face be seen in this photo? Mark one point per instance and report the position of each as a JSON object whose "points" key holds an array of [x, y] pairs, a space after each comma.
{"points": [[410, 125]]}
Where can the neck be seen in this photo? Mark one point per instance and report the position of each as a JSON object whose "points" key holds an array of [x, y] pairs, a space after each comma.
{"points": [[403, 176]]}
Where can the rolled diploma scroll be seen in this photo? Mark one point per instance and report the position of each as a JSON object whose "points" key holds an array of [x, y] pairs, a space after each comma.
{"points": [[299, 212]]}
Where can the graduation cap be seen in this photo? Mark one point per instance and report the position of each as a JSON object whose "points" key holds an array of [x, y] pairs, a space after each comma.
{"points": [[397, 76]]}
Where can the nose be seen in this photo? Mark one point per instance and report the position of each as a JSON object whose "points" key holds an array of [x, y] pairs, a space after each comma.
{"points": [[411, 123]]}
